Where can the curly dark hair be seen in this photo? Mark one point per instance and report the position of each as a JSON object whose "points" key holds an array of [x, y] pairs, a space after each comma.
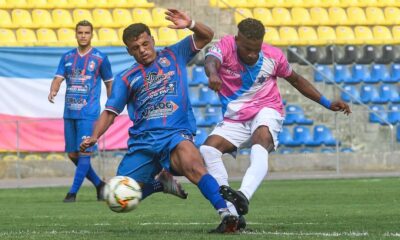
{"points": [[84, 23], [134, 30], [252, 29]]}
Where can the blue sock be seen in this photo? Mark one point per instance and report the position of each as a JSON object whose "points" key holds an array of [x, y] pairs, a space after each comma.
{"points": [[92, 176], [150, 188], [80, 173], [210, 190]]}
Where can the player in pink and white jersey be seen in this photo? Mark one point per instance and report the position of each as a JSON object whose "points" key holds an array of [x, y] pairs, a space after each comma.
{"points": [[244, 71]]}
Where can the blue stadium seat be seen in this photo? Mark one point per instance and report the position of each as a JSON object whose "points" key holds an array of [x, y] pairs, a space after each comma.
{"points": [[198, 115], [306, 150], [323, 135], [212, 116], [201, 136], [389, 93], [347, 150], [394, 74], [199, 76], [285, 137], [342, 73], [369, 94], [360, 73], [350, 90], [302, 136], [295, 114], [398, 133], [194, 96], [207, 96], [379, 73], [380, 111], [393, 115], [324, 69], [286, 151], [328, 150]]}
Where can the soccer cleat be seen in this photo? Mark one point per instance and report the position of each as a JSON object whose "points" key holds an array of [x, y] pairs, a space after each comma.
{"points": [[241, 223], [71, 197], [100, 191], [170, 185], [229, 223], [237, 198]]}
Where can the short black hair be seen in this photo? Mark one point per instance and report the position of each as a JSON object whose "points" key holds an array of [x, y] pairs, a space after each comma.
{"points": [[134, 30], [84, 23], [251, 28]]}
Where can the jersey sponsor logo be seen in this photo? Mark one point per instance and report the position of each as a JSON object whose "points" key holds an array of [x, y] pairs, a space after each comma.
{"points": [[159, 110], [77, 89], [231, 72], [92, 66], [76, 104], [164, 62], [68, 64], [169, 90]]}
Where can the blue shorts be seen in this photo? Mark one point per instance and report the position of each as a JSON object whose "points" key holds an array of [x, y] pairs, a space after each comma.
{"points": [[75, 130], [149, 152]]}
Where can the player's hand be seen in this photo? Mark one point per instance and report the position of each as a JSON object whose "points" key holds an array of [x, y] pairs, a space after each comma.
{"points": [[340, 106], [87, 143], [179, 19], [51, 96], [214, 82]]}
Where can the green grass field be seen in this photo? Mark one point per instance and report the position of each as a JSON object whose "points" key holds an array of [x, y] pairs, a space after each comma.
{"points": [[293, 209]]}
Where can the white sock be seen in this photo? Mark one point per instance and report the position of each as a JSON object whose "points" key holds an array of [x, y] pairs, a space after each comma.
{"points": [[215, 167], [256, 172]]}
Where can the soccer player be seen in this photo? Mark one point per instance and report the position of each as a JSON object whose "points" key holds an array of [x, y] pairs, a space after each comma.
{"points": [[244, 71], [155, 91], [82, 68]]}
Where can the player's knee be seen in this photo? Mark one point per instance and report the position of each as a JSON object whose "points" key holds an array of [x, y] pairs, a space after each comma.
{"points": [[210, 154]]}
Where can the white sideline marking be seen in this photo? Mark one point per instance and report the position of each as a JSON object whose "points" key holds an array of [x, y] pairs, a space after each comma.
{"points": [[318, 234], [391, 235], [197, 223]]}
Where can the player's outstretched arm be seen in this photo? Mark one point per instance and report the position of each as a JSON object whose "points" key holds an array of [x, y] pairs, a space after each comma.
{"points": [[54, 88], [212, 65], [105, 121], [202, 33], [308, 90]]}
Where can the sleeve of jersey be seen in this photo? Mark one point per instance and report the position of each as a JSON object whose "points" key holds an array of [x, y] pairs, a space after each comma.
{"points": [[105, 70], [283, 68], [119, 96], [186, 48], [61, 68], [217, 51]]}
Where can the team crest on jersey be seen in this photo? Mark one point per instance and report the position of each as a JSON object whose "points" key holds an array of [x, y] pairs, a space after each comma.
{"points": [[215, 49], [261, 79], [92, 65], [164, 62]]}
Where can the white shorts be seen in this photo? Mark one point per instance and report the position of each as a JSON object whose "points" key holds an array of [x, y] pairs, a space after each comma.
{"points": [[239, 134]]}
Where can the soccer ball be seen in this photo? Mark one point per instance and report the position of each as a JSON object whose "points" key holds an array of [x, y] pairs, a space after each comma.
{"points": [[122, 194]]}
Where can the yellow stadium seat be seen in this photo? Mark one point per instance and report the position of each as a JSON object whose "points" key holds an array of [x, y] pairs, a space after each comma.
{"points": [[25, 36], [288, 36], [375, 15], [98, 4], [41, 18], [281, 16], [140, 3], [10, 157], [271, 35], [182, 33], [3, 4], [392, 15], [81, 14], [46, 37], [356, 16], [95, 39], [363, 34], [308, 36], [344, 35], [77, 3], [66, 37], [32, 157], [319, 16], [21, 18], [326, 35], [117, 3], [367, 3], [242, 13], [62, 18], [55, 157], [348, 3], [266, 3], [337, 16], [396, 34], [102, 18], [109, 36], [58, 3], [386, 3], [264, 15], [311, 3], [38, 4], [122, 17], [382, 35], [301, 16], [166, 36], [330, 3], [292, 3], [16, 3], [142, 15], [7, 37], [158, 15], [5, 19], [154, 34]]}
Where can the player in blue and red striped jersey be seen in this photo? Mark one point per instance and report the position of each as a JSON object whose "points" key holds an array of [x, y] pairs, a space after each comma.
{"points": [[83, 68], [155, 92]]}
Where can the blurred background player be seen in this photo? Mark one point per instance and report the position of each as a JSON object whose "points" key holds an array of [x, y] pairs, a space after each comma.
{"points": [[156, 94], [83, 68], [244, 71]]}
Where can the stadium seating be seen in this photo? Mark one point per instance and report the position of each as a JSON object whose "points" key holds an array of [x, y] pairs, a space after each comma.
{"points": [[301, 136], [199, 76], [242, 13], [341, 74], [323, 73], [121, 16], [81, 14], [167, 36], [46, 36], [319, 16], [360, 73], [295, 114], [66, 36], [62, 18], [55, 157], [6, 21], [323, 135], [263, 14], [108, 36], [394, 73], [25, 36], [21, 18], [285, 137], [378, 114], [7, 37], [41, 18], [379, 73], [201, 136], [102, 18], [212, 116], [142, 15], [369, 94], [389, 93], [398, 133], [271, 35], [350, 94], [393, 115]]}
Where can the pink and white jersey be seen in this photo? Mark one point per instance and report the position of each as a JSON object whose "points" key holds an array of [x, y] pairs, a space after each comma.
{"points": [[247, 89]]}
